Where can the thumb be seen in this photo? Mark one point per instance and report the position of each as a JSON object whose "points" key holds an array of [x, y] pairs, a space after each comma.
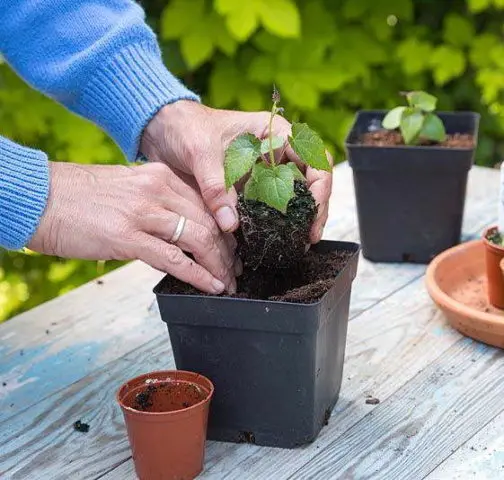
{"points": [[209, 173]]}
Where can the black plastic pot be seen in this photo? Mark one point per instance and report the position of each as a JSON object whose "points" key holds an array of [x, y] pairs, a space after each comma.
{"points": [[276, 367], [410, 199]]}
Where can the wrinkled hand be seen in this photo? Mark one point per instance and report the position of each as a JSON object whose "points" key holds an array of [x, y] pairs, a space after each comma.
{"points": [[192, 138], [122, 213]]}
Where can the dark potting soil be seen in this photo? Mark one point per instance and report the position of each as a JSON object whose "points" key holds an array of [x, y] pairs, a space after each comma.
{"points": [[494, 236], [81, 427], [166, 397], [305, 282], [267, 238], [390, 138]]}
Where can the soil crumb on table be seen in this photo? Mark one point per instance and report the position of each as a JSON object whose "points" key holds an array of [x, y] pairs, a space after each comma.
{"points": [[391, 138], [305, 282], [79, 426]]}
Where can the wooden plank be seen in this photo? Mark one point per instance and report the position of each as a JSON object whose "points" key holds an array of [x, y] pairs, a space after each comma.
{"points": [[421, 424], [59, 342], [481, 457], [405, 328]]}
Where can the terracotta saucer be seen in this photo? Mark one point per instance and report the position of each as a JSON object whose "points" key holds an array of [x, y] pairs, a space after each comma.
{"points": [[456, 281]]}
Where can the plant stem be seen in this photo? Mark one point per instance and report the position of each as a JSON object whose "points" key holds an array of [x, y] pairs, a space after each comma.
{"points": [[273, 113]]}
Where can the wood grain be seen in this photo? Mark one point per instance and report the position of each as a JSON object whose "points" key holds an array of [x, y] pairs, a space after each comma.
{"points": [[422, 423], [481, 457], [62, 341]]}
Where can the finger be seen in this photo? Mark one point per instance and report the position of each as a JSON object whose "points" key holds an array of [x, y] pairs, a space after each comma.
{"points": [[195, 239], [170, 259], [320, 185], [209, 174], [196, 212]]}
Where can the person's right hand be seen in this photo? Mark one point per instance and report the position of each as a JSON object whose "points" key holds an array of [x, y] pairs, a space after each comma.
{"points": [[100, 212]]}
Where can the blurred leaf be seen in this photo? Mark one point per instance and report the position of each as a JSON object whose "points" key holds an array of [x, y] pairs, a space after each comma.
{"points": [[393, 118], [411, 125], [458, 31], [447, 64], [433, 128]]}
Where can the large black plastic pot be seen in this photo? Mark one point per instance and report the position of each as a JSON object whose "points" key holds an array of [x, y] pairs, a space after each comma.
{"points": [[276, 366], [410, 199]]}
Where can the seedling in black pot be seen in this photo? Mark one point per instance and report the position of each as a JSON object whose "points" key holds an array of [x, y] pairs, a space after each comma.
{"points": [[410, 168], [276, 208]]}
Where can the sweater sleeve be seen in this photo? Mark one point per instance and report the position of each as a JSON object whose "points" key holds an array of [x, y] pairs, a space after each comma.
{"points": [[97, 57], [24, 188]]}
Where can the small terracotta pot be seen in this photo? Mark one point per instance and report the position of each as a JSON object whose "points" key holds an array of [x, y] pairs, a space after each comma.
{"points": [[166, 415], [494, 254]]}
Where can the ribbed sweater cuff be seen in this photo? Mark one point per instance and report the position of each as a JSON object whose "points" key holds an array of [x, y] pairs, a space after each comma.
{"points": [[24, 188], [125, 94]]}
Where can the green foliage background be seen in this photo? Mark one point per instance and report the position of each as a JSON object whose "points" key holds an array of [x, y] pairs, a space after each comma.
{"points": [[328, 58]]}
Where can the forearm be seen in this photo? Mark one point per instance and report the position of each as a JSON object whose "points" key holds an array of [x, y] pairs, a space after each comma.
{"points": [[97, 57], [24, 188]]}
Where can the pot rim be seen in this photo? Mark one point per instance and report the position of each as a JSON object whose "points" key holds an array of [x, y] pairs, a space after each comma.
{"points": [[166, 373], [353, 145], [442, 299], [354, 247]]}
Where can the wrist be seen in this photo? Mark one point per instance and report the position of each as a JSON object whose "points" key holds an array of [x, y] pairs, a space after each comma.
{"points": [[167, 126]]}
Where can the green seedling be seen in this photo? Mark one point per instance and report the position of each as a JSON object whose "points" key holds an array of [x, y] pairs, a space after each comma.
{"points": [[417, 121], [270, 181]]}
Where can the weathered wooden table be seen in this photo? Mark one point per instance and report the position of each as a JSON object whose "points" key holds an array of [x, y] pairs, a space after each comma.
{"points": [[441, 409]]}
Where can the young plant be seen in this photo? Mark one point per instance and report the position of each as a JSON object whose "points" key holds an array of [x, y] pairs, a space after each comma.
{"points": [[416, 121], [270, 181]]}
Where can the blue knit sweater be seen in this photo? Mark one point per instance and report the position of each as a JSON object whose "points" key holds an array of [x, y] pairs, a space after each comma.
{"points": [[100, 60]]}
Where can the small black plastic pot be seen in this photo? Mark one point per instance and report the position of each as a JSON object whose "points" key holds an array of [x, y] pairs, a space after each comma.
{"points": [[276, 366], [410, 199]]}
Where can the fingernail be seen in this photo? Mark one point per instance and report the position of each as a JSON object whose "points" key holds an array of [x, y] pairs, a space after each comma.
{"points": [[218, 286], [238, 267], [226, 218], [320, 233], [232, 287]]}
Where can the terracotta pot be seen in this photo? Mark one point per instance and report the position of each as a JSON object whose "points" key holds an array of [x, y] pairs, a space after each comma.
{"points": [[456, 281], [166, 416], [494, 254]]}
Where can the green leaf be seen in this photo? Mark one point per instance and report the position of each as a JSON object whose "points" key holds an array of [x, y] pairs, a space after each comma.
{"points": [[240, 157], [423, 101], [476, 6], [250, 189], [414, 55], [278, 142], [411, 125], [458, 30], [281, 17], [433, 128], [178, 16], [275, 186], [298, 175], [447, 63], [196, 48], [309, 147], [393, 118]]}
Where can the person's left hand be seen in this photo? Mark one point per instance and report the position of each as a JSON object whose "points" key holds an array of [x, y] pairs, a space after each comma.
{"points": [[192, 138]]}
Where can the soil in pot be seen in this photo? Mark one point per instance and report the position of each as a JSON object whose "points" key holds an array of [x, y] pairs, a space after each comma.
{"points": [[304, 282], [267, 238], [390, 138], [166, 415], [165, 397]]}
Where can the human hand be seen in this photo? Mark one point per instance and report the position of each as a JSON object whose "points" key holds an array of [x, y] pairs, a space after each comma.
{"points": [[115, 212], [192, 139]]}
